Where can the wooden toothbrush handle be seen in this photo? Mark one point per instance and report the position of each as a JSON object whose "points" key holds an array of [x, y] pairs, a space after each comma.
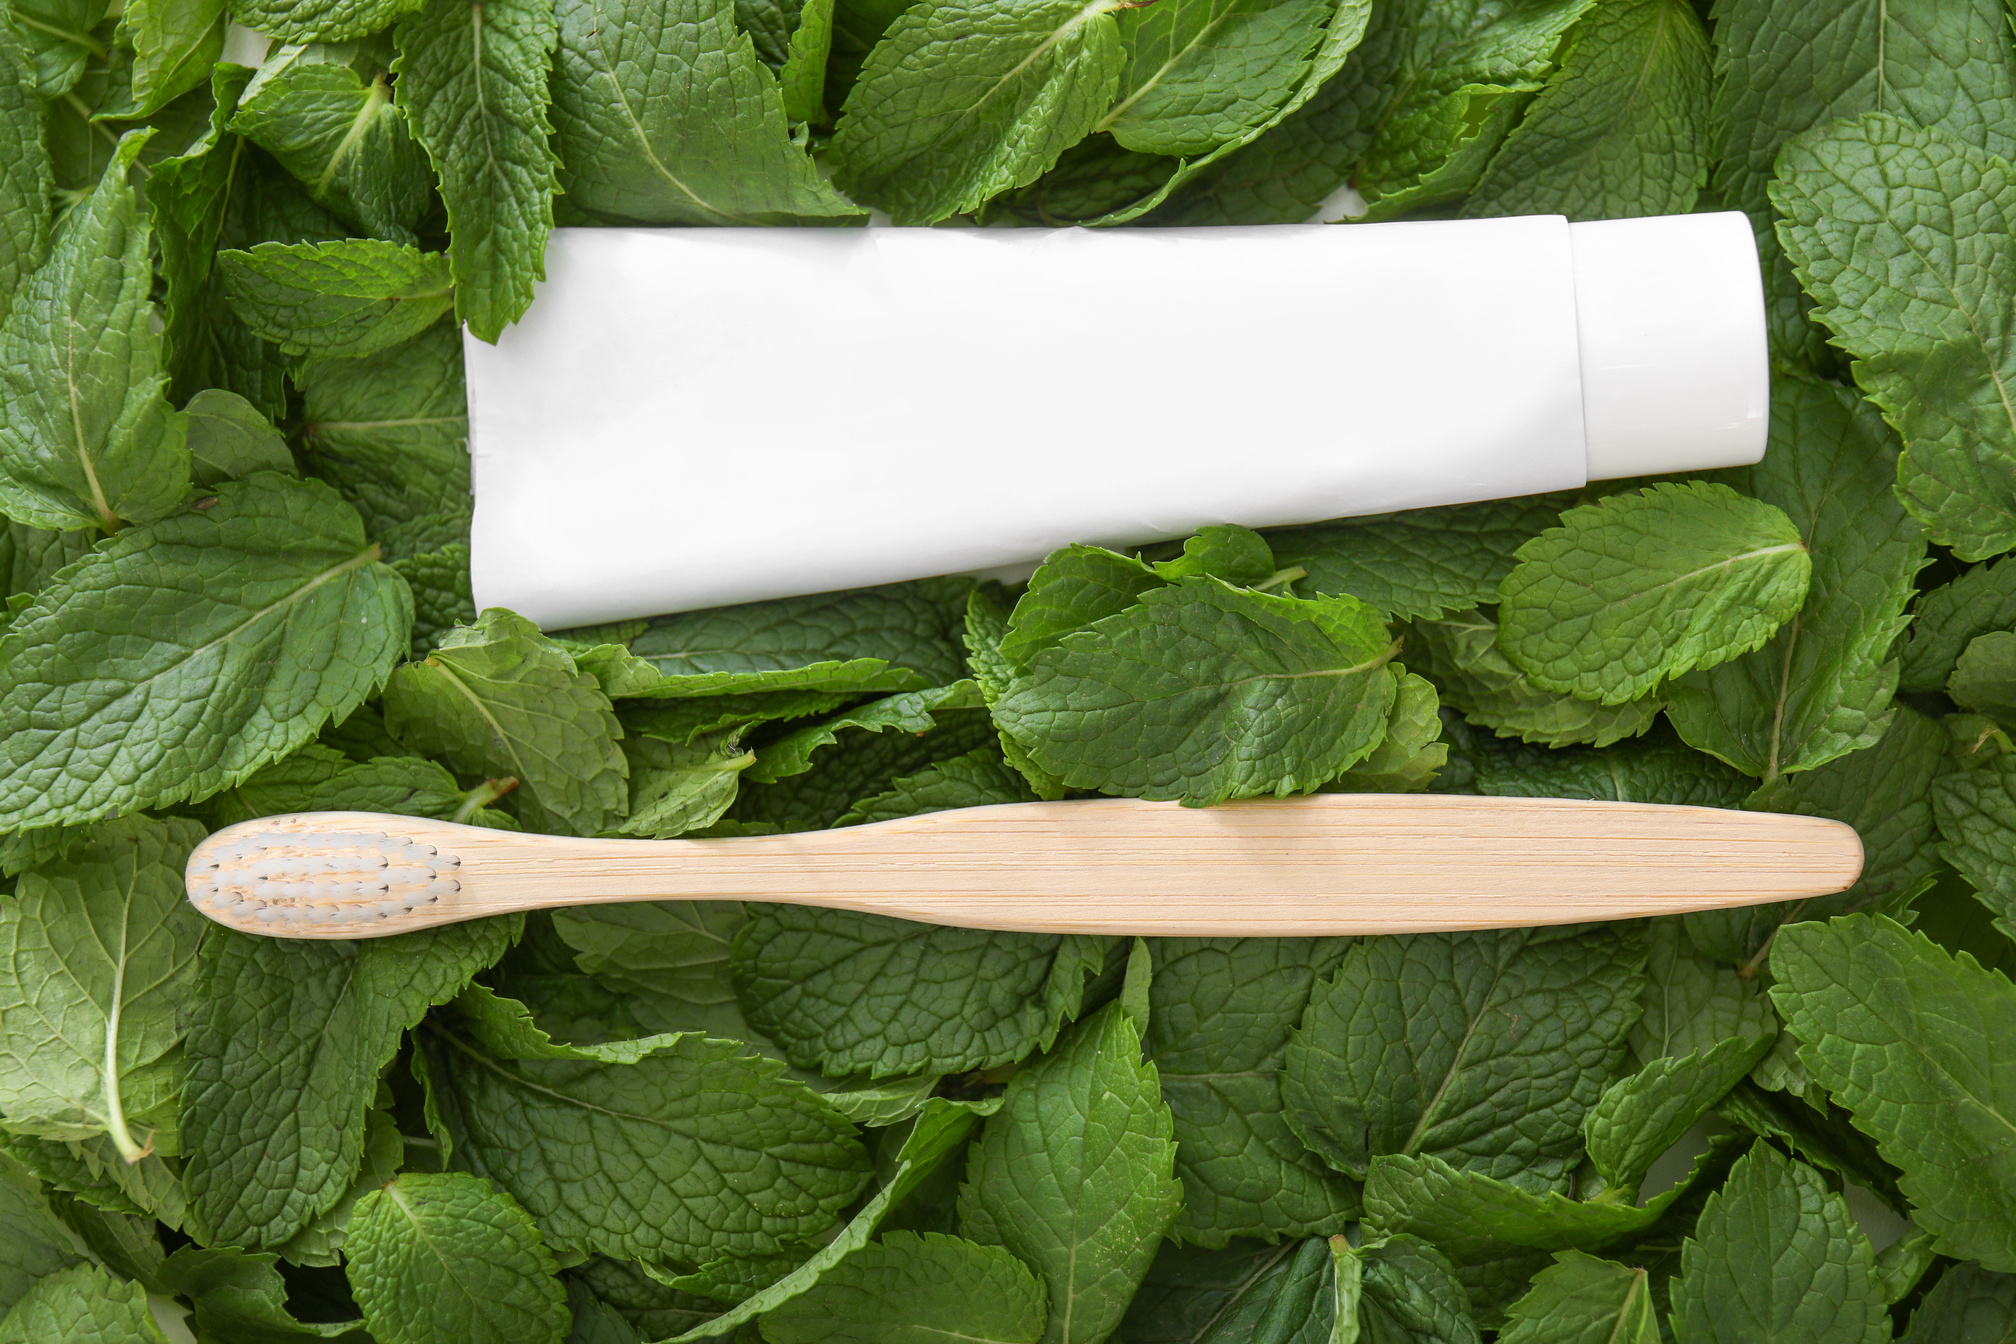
{"points": [[1321, 864]]}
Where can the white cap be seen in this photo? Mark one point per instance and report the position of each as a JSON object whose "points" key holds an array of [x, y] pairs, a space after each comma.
{"points": [[1676, 373]]}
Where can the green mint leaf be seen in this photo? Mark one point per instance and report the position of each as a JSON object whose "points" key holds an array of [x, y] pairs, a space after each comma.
{"points": [[498, 698], [174, 46], [909, 712], [228, 438], [86, 436], [1411, 753], [1855, 991], [1693, 1002], [962, 101], [1071, 589], [1819, 688], [345, 299], [1984, 678], [980, 778], [1221, 1011], [473, 79], [1208, 72], [803, 76], [314, 1022], [1422, 563], [1639, 587], [686, 720], [1653, 769], [82, 1302], [431, 553], [1641, 1116], [846, 992], [59, 40], [1429, 1044], [1947, 619], [1207, 692], [173, 686], [94, 1172], [27, 179], [390, 430], [97, 960], [321, 1242], [564, 1128], [916, 1289], [1885, 223], [1777, 1256], [36, 1245], [319, 20], [343, 138], [671, 950], [663, 115], [1238, 555], [1976, 809], [862, 764], [1243, 1293], [433, 1256], [1967, 1297], [675, 789], [322, 779], [986, 634], [1901, 1265], [1407, 1291], [1075, 1175], [1429, 93], [32, 555], [1886, 792], [1472, 676], [241, 1296], [1580, 1299], [1783, 71], [1620, 130]]}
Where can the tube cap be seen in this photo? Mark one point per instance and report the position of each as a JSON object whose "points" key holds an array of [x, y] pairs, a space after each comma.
{"points": [[1676, 373]]}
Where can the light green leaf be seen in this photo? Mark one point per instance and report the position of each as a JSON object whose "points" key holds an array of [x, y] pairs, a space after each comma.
{"points": [[94, 1171], [1641, 1116], [1238, 555], [675, 789], [1776, 1256], [622, 1148], [1984, 679], [1950, 617], [243, 1297], [1966, 1299], [347, 299], [1901, 1265], [62, 37], [1886, 792], [1620, 130], [909, 712], [1408, 757], [33, 1245], [1073, 587], [912, 1289], [1856, 991], [321, 779], [432, 554], [86, 436], [228, 438], [1472, 676], [803, 76], [980, 778], [343, 138], [82, 1303], [187, 654], [27, 179], [1434, 1044], [1820, 687], [473, 79], [444, 1256], [1422, 563], [322, 1240], [1203, 73], [1206, 692], [499, 698], [664, 115], [962, 101], [1221, 1010], [1887, 226], [846, 992], [97, 960], [1639, 587], [985, 632], [319, 20], [1784, 69], [314, 1022], [1580, 1299], [175, 42], [390, 430], [1074, 1175]]}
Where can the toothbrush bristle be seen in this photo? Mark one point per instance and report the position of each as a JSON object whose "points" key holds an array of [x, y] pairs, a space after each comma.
{"points": [[324, 878]]}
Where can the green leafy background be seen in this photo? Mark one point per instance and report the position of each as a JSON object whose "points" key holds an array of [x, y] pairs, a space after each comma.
{"points": [[241, 242]]}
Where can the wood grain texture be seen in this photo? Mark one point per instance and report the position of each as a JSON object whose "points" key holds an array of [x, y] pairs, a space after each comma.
{"points": [[1323, 864]]}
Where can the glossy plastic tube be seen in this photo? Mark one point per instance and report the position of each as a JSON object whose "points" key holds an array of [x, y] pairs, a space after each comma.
{"points": [[692, 417]]}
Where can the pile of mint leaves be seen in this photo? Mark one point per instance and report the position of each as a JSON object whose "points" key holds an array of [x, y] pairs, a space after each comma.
{"points": [[234, 275]]}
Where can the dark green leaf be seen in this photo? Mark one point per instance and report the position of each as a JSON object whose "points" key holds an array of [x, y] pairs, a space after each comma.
{"points": [[1422, 563], [345, 299]]}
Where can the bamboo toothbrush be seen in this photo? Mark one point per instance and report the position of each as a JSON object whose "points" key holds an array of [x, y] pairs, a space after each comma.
{"points": [[1322, 864]]}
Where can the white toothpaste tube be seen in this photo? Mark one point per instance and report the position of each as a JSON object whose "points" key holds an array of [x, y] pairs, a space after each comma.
{"points": [[693, 417]]}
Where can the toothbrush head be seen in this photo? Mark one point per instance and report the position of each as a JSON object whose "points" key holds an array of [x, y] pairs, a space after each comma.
{"points": [[271, 877]]}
